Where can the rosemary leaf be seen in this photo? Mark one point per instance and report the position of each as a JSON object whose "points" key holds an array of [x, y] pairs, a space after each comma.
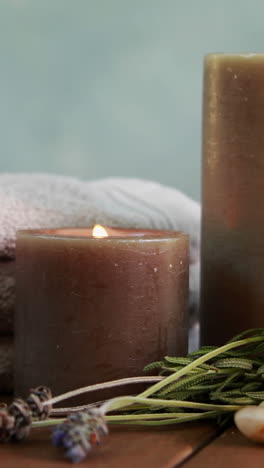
{"points": [[236, 363]]}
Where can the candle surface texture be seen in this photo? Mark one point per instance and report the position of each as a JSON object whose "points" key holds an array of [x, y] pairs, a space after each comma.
{"points": [[232, 274], [96, 309]]}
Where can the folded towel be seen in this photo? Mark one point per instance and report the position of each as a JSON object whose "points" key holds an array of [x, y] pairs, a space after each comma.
{"points": [[6, 364], [31, 201]]}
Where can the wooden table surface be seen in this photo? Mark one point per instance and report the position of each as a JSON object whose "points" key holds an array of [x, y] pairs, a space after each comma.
{"points": [[196, 445]]}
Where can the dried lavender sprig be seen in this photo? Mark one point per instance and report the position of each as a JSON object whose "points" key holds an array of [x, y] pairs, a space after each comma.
{"points": [[16, 419], [124, 402], [79, 433], [122, 418], [102, 386]]}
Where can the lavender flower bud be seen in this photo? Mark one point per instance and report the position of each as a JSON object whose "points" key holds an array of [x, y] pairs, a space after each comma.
{"points": [[79, 433]]}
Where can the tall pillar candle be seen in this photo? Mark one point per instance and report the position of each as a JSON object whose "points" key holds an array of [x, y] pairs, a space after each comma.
{"points": [[232, 270], [91, 310]]}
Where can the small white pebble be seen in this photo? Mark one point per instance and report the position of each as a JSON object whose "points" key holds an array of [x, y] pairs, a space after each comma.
{"points": [[116, 264], [181, 262], [155, 269], [250, 421], [170, 265]]}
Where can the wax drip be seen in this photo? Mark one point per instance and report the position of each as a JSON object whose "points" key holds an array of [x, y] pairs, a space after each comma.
{"points": [[16, 419]]}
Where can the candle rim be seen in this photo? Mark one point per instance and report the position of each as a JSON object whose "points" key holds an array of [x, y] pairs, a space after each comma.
{"points": [[232, 55], [144, 234]]}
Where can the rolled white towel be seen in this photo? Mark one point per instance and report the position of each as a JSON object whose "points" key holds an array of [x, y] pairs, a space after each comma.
{"points": [[31, 201]]}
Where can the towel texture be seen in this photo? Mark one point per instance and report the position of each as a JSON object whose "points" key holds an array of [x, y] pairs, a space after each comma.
{"points": [[32, 201]]}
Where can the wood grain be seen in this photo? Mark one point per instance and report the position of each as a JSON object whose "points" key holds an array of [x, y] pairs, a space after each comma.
{"points": [[127, 447], [229, 450]]}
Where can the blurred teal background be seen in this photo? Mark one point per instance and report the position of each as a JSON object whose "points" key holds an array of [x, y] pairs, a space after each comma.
{"points": [[96, 88]]}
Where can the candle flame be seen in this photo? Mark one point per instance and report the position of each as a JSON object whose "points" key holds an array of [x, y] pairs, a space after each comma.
{"points": [[99, 231]]}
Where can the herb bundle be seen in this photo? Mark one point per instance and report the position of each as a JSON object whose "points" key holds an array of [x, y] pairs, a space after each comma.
{"points": [[211, 383]]}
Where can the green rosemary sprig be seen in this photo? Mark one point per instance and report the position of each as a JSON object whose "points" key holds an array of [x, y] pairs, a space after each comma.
{"points": [[211, 383], [232, 374]]}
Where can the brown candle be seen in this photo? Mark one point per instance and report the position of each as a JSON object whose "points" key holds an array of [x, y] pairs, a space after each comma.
{"points": [[96, 309], [232, 274]]}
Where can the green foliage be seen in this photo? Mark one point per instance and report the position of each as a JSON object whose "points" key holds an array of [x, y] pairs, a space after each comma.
{"points": [[216, 375], [211, 383]]}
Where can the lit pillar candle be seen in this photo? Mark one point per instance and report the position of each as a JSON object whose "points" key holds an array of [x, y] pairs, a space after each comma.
{"points": [[232, 274], [95, 309]]}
